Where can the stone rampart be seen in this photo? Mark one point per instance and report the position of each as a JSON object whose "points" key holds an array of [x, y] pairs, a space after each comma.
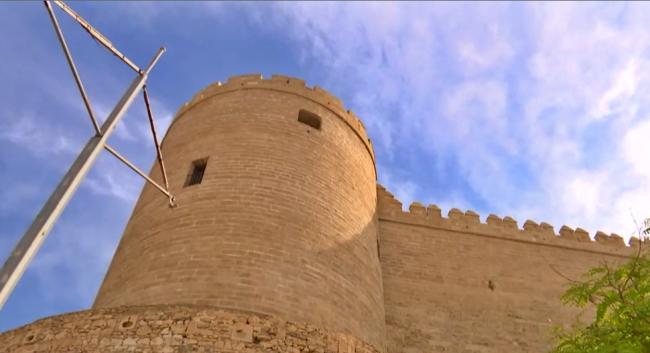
{"points": [[455, 284], [173, 329], [506, 228]]}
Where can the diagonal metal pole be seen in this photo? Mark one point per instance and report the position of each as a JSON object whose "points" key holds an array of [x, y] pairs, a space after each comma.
{"points": [[33, 238], [97, 35], [155, 136], [141, 173], [73, 68]]}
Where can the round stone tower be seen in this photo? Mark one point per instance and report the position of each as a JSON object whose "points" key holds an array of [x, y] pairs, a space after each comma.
{"points": [[276, 192], [274, 233]]}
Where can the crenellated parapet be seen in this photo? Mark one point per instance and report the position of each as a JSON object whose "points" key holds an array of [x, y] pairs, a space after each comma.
{"points": [[284, 84], [390, 209]]}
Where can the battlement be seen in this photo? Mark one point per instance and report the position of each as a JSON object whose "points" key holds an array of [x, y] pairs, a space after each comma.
{"points": [[390, 209], [284, 84]]}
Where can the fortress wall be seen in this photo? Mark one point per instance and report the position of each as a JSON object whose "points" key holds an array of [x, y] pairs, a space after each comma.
{"points": [[454, 284], [182, 329], [288, 245]]}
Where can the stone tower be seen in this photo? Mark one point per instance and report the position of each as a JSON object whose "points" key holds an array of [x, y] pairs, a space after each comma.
{"points": [[276, 225], [281, 222]]}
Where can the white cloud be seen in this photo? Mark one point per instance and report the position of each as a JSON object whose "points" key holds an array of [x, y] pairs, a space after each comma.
{"points": [[624, 86], [404, 190], [498, 87], [37, 137], [74, 259], [585, 71], [162, 118], [636, 149], [475, 107], [112, 178], [18, 195], [491, 86]]}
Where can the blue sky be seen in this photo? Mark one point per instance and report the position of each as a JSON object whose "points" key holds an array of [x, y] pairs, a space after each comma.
{"points": [[533, 110]]}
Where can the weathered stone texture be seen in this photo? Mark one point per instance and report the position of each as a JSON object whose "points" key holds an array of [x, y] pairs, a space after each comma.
{"points": [[180, 329], [283, 222]]}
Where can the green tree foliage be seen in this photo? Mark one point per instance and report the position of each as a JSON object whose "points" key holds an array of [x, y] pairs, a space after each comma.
{"points": [[621, 299]]}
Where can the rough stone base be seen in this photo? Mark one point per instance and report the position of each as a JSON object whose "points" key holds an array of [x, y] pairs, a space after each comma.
{"points": [[173, 329]]}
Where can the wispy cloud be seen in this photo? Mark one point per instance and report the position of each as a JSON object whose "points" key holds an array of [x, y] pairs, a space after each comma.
{"points": [[113, 179], [36, 137], [74, 281], [537, 103]]}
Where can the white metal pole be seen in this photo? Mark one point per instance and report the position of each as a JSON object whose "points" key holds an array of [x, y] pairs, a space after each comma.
{"points": [[33, 238]]}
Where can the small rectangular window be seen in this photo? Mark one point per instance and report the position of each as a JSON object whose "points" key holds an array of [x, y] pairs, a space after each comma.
{"points": [[309, 118], [196, 172]]}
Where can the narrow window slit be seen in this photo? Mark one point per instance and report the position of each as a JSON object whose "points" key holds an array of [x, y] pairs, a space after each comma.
{"points": [[196, 172], [309, 118]]}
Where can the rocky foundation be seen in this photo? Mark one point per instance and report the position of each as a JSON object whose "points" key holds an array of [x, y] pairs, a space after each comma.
{"points": [[173, 329]]}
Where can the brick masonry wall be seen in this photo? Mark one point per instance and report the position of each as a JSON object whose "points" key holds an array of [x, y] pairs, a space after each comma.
{"points": [[457, 285], [283, 222], [167, 329]]}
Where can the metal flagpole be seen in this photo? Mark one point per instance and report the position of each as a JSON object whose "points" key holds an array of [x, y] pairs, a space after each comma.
{"points": [[33, 238]]}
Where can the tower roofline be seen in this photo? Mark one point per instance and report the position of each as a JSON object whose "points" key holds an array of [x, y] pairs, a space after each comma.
{"points": [[285, 84]]}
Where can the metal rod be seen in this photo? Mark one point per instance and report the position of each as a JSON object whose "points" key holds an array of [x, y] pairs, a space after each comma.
{"points": [[155, 136], [98, 36], [33, 238], [137, 170], [73, 68]]}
